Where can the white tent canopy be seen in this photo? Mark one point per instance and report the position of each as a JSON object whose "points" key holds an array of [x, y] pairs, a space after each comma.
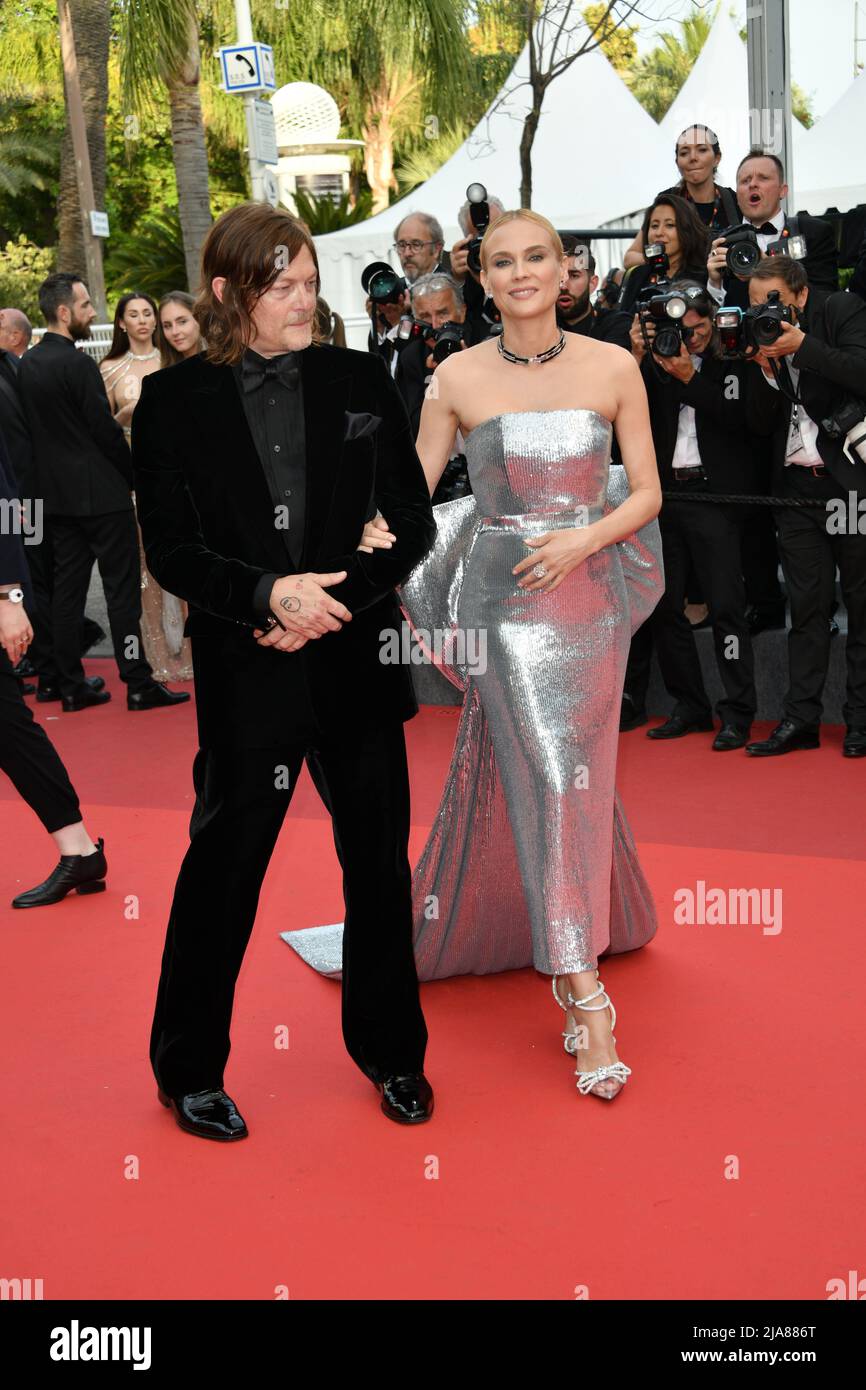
{"points": [[831, 157], [580, 176]]}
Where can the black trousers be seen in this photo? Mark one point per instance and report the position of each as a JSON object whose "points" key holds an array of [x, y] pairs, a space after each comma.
{"points": [[705, 535], [241, 802], [112, 541], [30, 760], [810, 553], [761, 563], [40, 559]]}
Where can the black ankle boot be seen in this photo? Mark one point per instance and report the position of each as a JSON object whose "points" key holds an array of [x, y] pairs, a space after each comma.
{"points": [[83, 872]]}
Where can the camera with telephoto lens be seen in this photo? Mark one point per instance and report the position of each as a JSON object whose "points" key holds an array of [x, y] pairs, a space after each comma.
{"points": [[742, 252], [666, 310], [849, 423], [742, 330], [382, 283], [447, 339], [479, 211]]}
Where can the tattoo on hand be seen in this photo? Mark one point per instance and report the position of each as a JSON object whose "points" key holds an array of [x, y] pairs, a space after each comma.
{"points": [[291, 605]]}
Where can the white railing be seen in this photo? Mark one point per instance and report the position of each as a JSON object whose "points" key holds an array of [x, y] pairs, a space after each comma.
{"points": [[96, 346]]}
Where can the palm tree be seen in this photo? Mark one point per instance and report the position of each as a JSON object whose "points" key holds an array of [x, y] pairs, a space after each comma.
{"points": [[659, 76], [160, 50], [390, 69], [20, 154], [91, 26]]}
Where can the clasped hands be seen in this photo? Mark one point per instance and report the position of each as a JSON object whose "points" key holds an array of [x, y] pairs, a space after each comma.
{"points": [[558, 551], [306, 610]]}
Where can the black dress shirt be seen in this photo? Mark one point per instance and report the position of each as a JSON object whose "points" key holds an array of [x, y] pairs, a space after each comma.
{"points": [[272, 396]]}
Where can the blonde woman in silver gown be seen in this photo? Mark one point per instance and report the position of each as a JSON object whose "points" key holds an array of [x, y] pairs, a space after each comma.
{"points": [[554, 561]]}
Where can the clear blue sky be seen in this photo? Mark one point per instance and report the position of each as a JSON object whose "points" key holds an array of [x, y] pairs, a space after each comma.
{"points": [[822, 40]]}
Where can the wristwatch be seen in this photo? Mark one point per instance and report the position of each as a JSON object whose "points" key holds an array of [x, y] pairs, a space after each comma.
{"points": [[13, 595]]}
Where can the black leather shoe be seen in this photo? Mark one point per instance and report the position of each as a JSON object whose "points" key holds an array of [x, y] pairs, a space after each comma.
{"points": [[25, 687], [785, 738], [209, 1114], [731, 736], [630, 717], [83, 872], [676, 726], [85, 697], [765, 622], [25, 668], [854, 742], [155, 695], [406, 1099], [46, 693]]}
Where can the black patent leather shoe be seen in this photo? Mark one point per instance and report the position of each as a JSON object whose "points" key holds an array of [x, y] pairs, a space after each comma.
{"points": [[154, 696], [85, 873], [406, 1099], [854, 742], [731, 736], [630, 716], [84, 698], [676, 727], [786, 738], [46, 693], [209, 1114]]}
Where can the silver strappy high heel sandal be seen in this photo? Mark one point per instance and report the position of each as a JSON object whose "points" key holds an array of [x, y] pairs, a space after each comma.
{"points": [[605, 1082]]}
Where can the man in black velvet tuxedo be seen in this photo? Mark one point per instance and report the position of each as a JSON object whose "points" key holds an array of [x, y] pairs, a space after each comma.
{"points": [[256, 465]]}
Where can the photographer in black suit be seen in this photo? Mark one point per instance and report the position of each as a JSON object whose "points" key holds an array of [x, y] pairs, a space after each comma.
{"points": [[698, 416], [256, 464], [760, 189], [820, 358]]}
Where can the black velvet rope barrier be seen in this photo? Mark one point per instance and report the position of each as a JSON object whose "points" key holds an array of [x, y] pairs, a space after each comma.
{"points": [[746, 499]]}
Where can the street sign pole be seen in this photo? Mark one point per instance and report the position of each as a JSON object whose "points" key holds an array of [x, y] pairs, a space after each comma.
{"points": [[257, 169], [767, 46]]}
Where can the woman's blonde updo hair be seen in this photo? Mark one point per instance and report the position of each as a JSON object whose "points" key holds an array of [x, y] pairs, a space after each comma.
{"points": [[527, 215]]}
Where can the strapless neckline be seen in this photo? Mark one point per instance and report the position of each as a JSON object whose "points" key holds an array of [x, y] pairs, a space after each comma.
{"points": [[561, 410]]}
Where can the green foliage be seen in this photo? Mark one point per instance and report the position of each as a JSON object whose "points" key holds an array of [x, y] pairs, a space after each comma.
{"points": [[148, 257], [324, 215], [425, 159], [658, 77], [801, 105], [23, 267], [617, 41]]}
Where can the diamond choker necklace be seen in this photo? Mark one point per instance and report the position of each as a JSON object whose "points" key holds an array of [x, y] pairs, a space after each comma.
{"points": [[532, 361]]}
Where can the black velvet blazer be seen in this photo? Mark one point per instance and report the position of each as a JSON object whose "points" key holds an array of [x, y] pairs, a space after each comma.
{"points": [[210, 534]]}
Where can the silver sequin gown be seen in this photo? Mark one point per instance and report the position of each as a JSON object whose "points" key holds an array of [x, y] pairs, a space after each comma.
{"points": [[530, 860]]}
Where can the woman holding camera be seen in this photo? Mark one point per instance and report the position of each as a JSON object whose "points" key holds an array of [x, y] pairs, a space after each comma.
{"points": [[677, 243], [698, 155]]}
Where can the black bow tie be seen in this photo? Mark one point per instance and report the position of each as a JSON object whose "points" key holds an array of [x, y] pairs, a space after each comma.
{"points": [[255, 373], [767, 229]]}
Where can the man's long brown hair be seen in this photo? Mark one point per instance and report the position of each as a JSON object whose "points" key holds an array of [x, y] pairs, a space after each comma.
{"points": [[249, 245]]}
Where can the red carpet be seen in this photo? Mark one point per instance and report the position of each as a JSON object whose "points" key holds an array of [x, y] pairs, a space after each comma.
{"points": [[746, 1047]]}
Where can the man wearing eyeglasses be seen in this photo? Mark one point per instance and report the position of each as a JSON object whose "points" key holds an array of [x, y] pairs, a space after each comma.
{"points": [[419, 242]]}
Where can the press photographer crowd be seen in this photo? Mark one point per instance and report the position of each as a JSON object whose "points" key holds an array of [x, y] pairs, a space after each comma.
{"points": [[754, 363]]}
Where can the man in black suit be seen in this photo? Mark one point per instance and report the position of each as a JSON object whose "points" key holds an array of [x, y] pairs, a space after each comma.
{"points": [[256, 467], [85, 476], [761, 187], [27, 756], [698, 417], [820, 358], [575, 311]]}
